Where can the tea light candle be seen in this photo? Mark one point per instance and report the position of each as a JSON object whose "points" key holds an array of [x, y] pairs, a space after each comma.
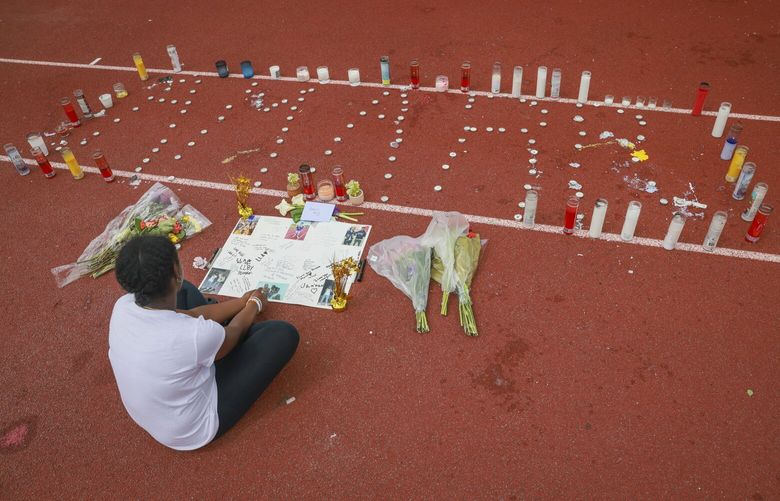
{"points": [[354, 76], [541, 81]]}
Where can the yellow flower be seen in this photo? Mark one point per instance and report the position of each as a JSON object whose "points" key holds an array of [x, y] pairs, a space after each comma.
{"points": [[640, 154]]}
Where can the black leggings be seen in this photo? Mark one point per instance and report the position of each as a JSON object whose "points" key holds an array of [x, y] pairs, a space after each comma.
{"points": [[246, 371]]}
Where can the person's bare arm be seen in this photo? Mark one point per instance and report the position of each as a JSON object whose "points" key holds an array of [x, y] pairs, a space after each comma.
{"points": [[220, 312], [240, 324]]}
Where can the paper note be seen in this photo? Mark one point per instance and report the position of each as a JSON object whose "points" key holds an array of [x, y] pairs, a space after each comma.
{"points": [[317, 212]]}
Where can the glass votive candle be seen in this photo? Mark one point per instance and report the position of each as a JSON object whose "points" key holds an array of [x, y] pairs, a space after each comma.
{"points": [[274, 71], [652, 102], [609, 99], [106, 100], [354, 76], [323, 75], [222, 69], [302, 73], [63, 129], [36, 141], [119, 90], [626, 101], [325, 190], [442, 83], [640, 101], [246, 69]]}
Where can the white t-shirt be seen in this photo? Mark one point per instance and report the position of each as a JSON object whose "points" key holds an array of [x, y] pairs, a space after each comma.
{"points": [[163, 362]]}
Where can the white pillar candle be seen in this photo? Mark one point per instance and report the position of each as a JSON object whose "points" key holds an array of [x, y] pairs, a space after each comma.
{"points": [[673, 233], [541, 81], [323, 75], [759, 192], [274, 71], [106, 101], [721, 119], [716, 228], [597, 221], [495, 86], [354, 76], [36, 141], [555, 83], [632, 216], [302, 73], [517, 81], [531, 200], [442, 83], [584, 87]]}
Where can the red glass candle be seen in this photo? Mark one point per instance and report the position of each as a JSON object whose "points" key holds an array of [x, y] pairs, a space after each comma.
{"points": [[465, 77], [307, 182], [571, 215], [43, 162], [338, 184], [102, 164], [70, 112], [701, 95], [759, 221], [414, 74]]}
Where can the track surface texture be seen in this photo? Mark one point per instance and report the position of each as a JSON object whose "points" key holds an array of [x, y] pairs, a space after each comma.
{"points": [[602, 370]]}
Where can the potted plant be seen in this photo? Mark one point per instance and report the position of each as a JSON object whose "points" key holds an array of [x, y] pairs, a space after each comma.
{"points": [[354, 192], [293, 184]]}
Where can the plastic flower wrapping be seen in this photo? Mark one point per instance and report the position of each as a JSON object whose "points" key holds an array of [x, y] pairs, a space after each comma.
{"points": [[159, 211], [407, 264]]}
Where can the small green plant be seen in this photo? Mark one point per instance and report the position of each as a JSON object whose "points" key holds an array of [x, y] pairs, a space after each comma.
{"points": [[293, 178], [353, 188]]}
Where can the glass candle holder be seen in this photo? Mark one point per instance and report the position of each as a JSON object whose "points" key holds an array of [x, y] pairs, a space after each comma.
{"points": [[626, 101], [609, 99], [745, 177], [106, 100], [582, 97], [354, 76], [737, 160], [102, 165], [246, 69], [139, 65], [716, 228], [325, 190], [338, 183], [323, 75], [274, 71], [63, 129], [16, 159], [384, 67], [43, 162], [721, 119], [570, 216], [759, 222], [495, 81], [555, 83], [302, 73], [640, 101], [517, 81], [70, 112], [701, 95], [442, 83], [86, 111], [120, 91], [758, 195], [632, 217], [652, 102], [465, 76], [541, 81], [73, 164], [36, 141], [414, 74], [531, 202], [307, 182], [222, 69]]}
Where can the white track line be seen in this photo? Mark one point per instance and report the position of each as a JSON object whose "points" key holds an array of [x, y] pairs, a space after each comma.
{"points": [[400, 209], [97, 60], [92, 65]]}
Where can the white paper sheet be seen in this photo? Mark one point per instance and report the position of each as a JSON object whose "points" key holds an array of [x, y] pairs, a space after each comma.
{"points": [[290, 261]]}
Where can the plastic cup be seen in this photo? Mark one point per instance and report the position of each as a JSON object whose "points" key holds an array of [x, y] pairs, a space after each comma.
{"points": [[106, 100]]}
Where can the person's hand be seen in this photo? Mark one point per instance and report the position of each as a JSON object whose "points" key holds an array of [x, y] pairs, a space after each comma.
{"points": [[254, 298]]}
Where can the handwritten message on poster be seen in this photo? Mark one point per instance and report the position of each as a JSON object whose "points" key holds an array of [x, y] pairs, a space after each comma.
{"points": [[289, 261]]}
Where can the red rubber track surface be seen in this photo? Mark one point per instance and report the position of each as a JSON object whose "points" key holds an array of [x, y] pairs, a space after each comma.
{"points": [[602, 369]]}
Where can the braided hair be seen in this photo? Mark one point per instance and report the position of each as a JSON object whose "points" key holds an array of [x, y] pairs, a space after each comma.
{"points": [[145, 267]]}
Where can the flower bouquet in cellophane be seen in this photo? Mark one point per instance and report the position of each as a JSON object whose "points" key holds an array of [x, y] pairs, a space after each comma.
{"points": [[407, 264], [158, 212]]}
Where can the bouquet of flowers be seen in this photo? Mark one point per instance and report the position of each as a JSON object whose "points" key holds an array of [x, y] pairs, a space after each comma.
{"points": [[158, 212], [441, 235], [466, 259], [407, 264]]}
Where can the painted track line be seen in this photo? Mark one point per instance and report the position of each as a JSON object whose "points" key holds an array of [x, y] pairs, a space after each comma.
{"points": [[416, 211], [92, 65]]}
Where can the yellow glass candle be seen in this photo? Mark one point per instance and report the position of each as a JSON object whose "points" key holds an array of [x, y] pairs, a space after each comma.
{"points": [[73, 164], [736, 163], [139, 64]]}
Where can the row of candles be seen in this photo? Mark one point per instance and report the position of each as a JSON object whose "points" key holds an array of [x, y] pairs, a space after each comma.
{"points": [[756, 214]]}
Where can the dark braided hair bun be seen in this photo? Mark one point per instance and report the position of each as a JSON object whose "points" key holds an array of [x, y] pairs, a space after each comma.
{"points": [[145, 267]]}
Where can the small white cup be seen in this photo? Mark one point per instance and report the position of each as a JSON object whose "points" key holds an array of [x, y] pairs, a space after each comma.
{"points": [[106, 100], [274, 71]]}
